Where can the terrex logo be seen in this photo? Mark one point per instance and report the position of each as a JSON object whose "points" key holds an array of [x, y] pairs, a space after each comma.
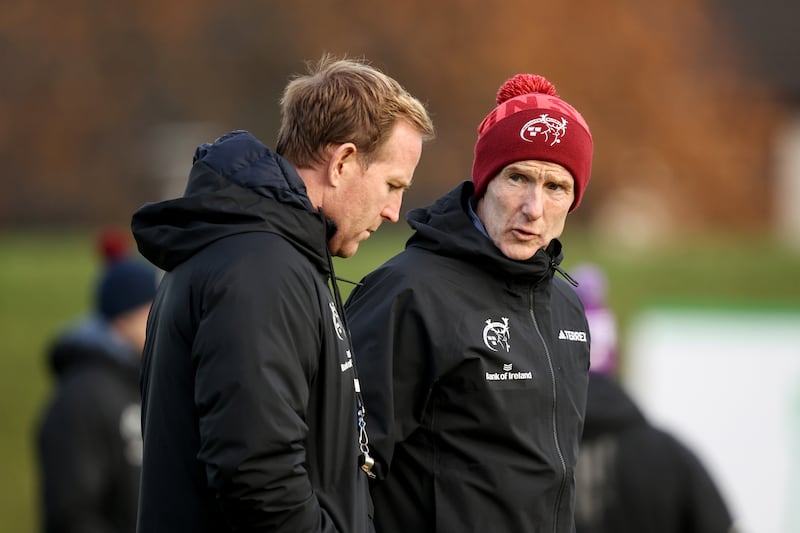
{"points": [[577, 336]]}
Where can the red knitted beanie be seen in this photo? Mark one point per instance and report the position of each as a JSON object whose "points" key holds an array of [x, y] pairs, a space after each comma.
{"points": [[532, 122]]}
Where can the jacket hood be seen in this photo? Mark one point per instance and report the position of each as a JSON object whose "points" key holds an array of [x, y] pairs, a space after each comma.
{"points": [[236, 185], [445, 227], [90, 343], [609, 409]]}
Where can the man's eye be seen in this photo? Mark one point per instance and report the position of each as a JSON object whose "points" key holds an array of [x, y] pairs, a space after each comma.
{"points": [[516, 177]]}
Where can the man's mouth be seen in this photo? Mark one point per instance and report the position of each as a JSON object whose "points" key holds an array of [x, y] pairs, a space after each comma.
{"points": [[522, 234]]}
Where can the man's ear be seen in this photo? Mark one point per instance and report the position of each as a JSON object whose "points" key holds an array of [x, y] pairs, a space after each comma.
{"points": [[341, 161]]}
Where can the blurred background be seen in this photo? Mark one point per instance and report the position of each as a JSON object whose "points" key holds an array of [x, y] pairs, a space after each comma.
{"points": [[694, 106]]}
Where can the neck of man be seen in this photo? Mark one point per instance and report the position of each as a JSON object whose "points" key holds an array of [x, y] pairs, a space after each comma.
{"points": [[313, 178]]}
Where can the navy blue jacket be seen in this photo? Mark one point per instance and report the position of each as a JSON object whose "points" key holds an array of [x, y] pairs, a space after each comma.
{"points": [[89, 438], [249, 410]]}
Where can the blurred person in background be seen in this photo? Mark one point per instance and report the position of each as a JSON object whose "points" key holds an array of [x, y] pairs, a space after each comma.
{"points": [[471, 349], [89, 436], [251, 414], [631, 476]]}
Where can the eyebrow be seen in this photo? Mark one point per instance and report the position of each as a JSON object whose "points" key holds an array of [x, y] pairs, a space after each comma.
{"points": [[547, 172], [398, 182]]}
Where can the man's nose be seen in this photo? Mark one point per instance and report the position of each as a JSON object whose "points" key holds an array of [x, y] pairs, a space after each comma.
{"points": [[532, 206], [392, 210]]}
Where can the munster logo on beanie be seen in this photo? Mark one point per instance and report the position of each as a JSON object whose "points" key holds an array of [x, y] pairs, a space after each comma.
{"points": [[544, 128]]}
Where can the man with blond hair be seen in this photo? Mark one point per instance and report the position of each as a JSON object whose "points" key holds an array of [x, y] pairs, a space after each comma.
{"points": [[251, 412]]}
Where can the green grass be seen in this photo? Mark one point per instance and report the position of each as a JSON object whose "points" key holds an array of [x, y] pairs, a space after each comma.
{"points": [[719, 272], [46, 279]]}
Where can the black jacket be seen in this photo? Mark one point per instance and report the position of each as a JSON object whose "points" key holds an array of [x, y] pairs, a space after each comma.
{"points": [[633, 477], [89, 437], [474, 370], [249, 411]]}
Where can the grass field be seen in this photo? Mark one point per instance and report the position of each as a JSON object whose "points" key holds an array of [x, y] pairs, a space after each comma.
{"points": [[45, 281]]}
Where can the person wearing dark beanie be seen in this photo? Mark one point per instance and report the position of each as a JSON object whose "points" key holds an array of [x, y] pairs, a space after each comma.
{"points": [[472, 353], [89, 443]]}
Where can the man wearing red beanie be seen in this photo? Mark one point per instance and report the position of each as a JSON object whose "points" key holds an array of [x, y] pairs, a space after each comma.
{"points": [[473, 355]]}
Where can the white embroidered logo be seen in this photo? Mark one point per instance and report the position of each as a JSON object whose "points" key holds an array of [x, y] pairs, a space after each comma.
{"points": [[337, 323], [496, 334], [508, 375], [549, 129], [349, 364], [577, 336]]}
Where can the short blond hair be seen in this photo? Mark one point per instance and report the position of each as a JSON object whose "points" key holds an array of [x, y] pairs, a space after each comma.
{"points": [[344, 100]]}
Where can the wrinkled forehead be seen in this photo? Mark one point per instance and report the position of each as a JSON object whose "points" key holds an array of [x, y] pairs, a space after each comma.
{"points": [[536, 167]]}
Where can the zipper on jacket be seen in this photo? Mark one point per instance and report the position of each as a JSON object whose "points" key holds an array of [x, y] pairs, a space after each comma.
{"points": [[556, 441]]}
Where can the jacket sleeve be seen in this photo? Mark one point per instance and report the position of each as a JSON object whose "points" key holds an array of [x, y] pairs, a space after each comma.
{"points": [[74, 459], [704, 509], [255, 353], [395, 360]]}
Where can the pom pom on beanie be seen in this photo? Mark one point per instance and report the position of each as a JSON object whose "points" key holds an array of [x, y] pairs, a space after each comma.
{"points": [[531, 122], [112, 244]]}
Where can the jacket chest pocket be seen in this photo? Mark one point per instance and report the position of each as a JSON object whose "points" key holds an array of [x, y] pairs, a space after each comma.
{"points": [[572, 357]]}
